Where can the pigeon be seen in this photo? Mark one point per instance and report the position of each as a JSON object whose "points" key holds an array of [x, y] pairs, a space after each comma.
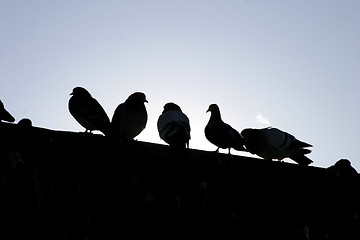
{"points": [[87, 111], [4, 114], [130, 117], [222, 134], [272, 143], [342, 168], [25, 122], [174, 126]]}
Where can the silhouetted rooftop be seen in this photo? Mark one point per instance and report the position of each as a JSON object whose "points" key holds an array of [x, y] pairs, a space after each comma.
{"points": [[66, 185]]}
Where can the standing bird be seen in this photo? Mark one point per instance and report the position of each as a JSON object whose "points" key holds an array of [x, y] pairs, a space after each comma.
{"points": [[130, 117], [87, 111], [4, 114], [174, 126], [272, 143], [222, 134]]}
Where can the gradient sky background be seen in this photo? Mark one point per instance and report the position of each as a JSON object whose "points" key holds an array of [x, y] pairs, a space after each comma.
{"points": [[294, 65]]}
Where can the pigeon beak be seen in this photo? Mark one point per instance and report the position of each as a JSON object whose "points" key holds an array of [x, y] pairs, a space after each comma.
{"points": [[208, 110], [146, 101], [71, 93]]}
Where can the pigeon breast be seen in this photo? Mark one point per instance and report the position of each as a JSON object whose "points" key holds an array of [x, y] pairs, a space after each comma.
{"points": [[130, 117]]}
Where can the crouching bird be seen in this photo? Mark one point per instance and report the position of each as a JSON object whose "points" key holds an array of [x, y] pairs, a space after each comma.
{"points": [[87, 111], [272, 143], [174, 126], [222, 134]]}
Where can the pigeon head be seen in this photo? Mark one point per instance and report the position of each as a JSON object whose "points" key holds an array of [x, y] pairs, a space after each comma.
{"points": [[213, 108], [137, 97], [171, 106], [215, 112], [250, 134], [80, 91], [246, 133]]}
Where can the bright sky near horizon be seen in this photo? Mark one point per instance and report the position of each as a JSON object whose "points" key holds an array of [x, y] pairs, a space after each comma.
{"points": [[294, 65]]}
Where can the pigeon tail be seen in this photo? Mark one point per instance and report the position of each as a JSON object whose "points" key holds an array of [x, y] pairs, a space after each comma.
{"points": [[106, 130], [304, 151], [301, 159], [176, 135], [301, 144], [239, 147], [4, 114]]}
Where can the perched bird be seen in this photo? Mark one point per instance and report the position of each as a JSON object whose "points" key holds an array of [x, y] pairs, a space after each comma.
{"points": [[342, 168], [272, 143], [130, 117], [4, 114], [25, 122], [174, 126], [222, 134], [87, 111]]}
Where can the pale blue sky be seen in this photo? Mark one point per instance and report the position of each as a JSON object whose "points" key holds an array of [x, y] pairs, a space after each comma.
{"points": [[295, 63]]}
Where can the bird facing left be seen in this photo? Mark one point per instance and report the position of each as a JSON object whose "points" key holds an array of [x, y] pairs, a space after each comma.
{"points": [[87, 111], [222, 134]]}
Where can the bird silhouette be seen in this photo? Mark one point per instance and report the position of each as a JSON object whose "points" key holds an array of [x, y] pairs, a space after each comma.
{"points": [[342, 168], [174, 126], [87, 111], [222, 134], [25, 122], [130, 117], [272, 143], [4, 114]]}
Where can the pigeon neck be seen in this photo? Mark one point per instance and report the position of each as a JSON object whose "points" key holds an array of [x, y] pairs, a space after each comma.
{"points": [[215, 115]]}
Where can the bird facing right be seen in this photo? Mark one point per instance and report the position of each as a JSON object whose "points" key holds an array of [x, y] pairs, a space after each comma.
{"points": [[4, 114], [174, 126], [130, 117], [222, 134], [272, 143]]}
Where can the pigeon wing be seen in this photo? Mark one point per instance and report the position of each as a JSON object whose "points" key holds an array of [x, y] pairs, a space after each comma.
{"points": [[97, 115], [89, 113], [300, 158]]}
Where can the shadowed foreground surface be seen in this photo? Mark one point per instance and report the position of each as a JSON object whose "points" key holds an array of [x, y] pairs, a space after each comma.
{"points": [[64, 185]]}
